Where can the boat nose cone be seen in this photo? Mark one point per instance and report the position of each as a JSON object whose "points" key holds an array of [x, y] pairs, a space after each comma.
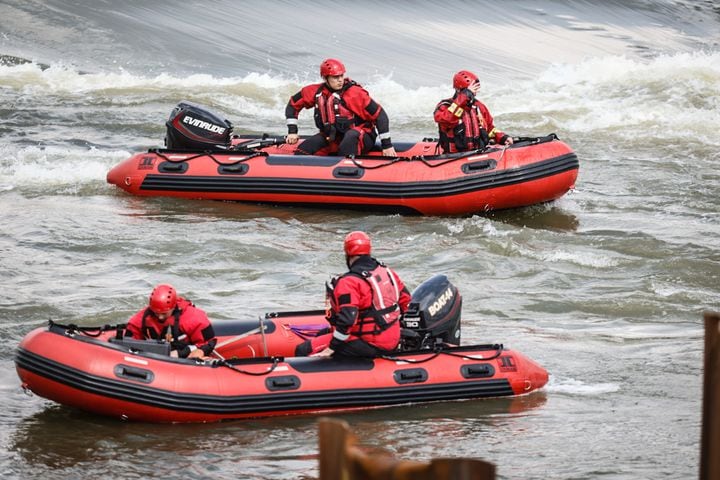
{"points": [[124, 175], [115, 175], [533, 377], [540, 377]]}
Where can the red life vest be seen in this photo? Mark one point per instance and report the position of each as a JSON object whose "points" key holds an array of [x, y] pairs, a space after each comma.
{"points": [[332, 116], [189, 326], [173, 329], [384, 312], [469, 134]]}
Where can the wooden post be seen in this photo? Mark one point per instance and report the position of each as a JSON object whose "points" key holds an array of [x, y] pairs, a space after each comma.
{"points": [[341, 459], [710, 443], [334, 438]]}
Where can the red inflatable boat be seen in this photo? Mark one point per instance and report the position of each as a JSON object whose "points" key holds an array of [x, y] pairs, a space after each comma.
{"points": [[418, 181], [254, 375]]}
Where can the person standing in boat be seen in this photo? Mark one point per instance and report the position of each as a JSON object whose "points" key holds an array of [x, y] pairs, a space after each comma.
{"points": [[364, 306], [189, 329], [464, 122], [348, 119]]}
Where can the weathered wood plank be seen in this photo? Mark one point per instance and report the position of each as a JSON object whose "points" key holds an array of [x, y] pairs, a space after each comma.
{"points": [[710, 442], [342, 459]]}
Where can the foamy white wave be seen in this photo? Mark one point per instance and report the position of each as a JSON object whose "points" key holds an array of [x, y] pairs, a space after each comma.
{"points": [[576, 387], [678, 95], [267, 81], [699, 68], [418, 103], [456, 227], [624, 331], [478, 225], [677, 292], [583, 258], [666, 290], [255, 95], [32, 78], [620, 96], [55, 165]]}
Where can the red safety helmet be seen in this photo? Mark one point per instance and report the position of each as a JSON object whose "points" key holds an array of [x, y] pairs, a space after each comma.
{"points": [[331, 67], [163, 299], [463, 79], [357, 243]]}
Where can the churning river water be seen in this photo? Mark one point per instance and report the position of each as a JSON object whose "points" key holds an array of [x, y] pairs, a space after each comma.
{"points": [[605, 287]]}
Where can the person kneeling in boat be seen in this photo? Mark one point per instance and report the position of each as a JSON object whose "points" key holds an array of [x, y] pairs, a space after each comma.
{"points": [[348, 119], [464, 122], [189, 331], [365, 306]]}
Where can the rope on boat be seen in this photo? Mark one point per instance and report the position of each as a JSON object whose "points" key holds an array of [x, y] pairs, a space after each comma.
{"points": [[438, 351], [450, 157], [415, 158], [71, 328], [250, 154], [271, 368], [498, 352], [409, 360]]}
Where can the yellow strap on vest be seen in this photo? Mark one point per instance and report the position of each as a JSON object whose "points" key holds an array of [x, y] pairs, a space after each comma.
{"points": [[455, 109]]}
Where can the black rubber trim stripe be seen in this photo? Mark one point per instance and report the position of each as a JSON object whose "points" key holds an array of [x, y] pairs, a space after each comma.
{"points": [[248, 404], [360, 188]]}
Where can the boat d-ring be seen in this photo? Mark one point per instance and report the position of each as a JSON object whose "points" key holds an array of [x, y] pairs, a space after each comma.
{"points": [[26, 390], [128, 181], [528, 385]]}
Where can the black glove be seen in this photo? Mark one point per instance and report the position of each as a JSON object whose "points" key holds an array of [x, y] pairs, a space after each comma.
{"points": [[484, 137], [182, 348], [469, 94], [336, 344]]}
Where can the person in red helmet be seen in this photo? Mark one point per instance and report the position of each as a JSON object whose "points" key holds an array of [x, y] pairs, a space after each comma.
{"points": [[364, 306], [175, 319], [348, 119], [464, 122]]}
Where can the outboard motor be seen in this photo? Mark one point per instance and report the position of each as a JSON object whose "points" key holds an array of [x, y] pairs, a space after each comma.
{"points": [[433, 316], [192, 127]]}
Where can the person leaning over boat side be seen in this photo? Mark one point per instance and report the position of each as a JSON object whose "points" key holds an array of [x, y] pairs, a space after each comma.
{"points": [[348, 119], [190, 332], [464, 122], [364, 306]]}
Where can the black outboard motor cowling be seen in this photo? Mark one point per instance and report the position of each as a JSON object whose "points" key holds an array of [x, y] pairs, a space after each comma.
{"points": [[193, 127], [433, 316]]}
